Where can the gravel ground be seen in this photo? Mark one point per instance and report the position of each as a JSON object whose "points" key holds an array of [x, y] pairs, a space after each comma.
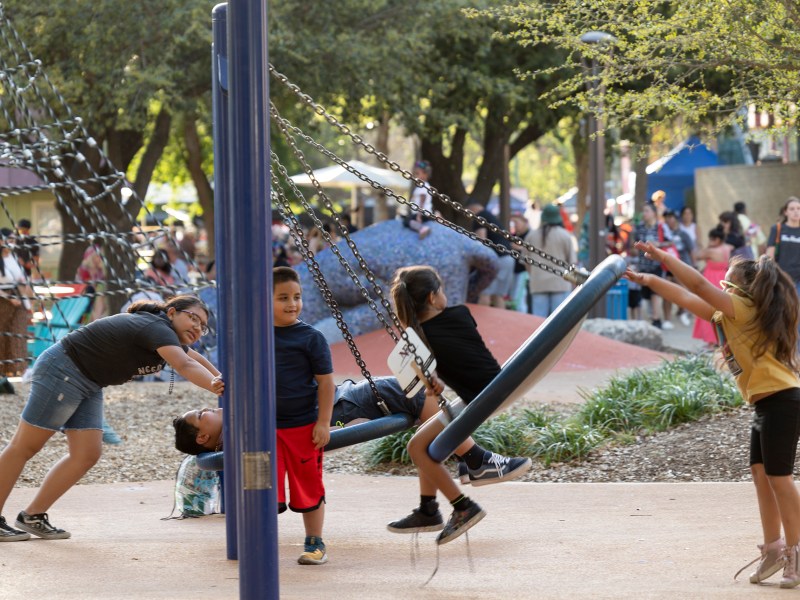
{"points": [[712, 449]]}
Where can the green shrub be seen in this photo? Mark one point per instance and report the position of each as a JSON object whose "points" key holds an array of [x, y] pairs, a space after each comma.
{"points": [[563, 442], [644, 401], [390, 448]]}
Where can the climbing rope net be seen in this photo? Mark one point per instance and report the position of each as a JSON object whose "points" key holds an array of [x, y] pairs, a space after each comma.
{"points": [[40, 134]]}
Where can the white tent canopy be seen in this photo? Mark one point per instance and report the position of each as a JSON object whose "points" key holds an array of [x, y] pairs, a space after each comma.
{"points": [[338, 177]]}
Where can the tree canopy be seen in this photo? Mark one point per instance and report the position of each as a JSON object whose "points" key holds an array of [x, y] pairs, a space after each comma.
{"points": [[703, 61], [442, 76]]}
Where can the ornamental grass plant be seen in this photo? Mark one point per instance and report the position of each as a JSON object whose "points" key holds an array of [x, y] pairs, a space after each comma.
{"points": [[642, 402]]}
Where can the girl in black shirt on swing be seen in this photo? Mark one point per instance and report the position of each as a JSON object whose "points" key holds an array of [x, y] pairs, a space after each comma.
{"points": [[465, 364]]}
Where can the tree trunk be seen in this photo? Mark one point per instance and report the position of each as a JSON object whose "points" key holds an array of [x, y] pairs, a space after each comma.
{"points": [[447, 173], [194, 163], [381, 145], [152, 154], [581, 152], [641, 159]]}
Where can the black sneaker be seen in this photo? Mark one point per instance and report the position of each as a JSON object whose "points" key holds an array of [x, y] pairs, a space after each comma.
{"points": [[463, 473], [9, 534], [417, 522], [497, 468], [39, 525], [460, 521]]}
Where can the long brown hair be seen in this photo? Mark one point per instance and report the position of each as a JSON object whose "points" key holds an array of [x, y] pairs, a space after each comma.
{"points": [[775, 298], [411, 287]]}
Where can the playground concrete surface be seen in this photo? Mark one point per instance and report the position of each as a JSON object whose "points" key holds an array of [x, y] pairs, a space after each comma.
{"points": [[538, 541]]}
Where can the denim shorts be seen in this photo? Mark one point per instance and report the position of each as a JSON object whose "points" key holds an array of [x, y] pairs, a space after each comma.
{"points": [[62, 397], [357, 401]]}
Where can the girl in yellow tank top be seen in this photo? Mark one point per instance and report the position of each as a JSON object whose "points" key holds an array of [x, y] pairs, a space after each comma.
{"points": [[755, 315]]}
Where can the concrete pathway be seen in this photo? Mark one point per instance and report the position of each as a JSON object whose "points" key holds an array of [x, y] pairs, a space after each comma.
{"points": [[538, 541]]}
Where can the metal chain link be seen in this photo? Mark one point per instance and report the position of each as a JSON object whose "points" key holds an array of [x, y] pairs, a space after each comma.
{"points": [[300, 241], [350, 243], [570, 272]]}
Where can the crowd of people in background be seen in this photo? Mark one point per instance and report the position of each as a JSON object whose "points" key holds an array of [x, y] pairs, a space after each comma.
{"points": [[518, 285]]}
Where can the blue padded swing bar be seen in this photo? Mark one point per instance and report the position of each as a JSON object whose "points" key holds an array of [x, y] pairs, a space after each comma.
{"points": [[369, 430], [537, 350], [340, 438]]}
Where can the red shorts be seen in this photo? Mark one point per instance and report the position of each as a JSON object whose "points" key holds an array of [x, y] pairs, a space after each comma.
{"points": [[301, 463]]}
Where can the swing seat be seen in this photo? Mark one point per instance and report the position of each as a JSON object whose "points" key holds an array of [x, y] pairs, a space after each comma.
{"points": [[526, 367], [340, 438]]}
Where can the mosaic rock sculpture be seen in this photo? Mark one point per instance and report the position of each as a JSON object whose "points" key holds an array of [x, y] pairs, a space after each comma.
{"points": [[466, 267]]}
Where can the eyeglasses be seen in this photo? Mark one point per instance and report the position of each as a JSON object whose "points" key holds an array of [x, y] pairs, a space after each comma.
{"points": [[196, 321], [726, 285]]}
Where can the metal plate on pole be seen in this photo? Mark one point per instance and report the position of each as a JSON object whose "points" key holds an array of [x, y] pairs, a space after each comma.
{"points": [[256, 471]]}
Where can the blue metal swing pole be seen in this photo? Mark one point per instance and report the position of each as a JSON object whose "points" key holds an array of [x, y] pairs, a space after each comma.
{"points": [[251, 365], [223, 232]]}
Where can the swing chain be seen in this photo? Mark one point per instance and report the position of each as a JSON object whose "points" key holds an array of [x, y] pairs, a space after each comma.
{"points": [[569, 272], [370, 276], [334, 248], [301, 242]]}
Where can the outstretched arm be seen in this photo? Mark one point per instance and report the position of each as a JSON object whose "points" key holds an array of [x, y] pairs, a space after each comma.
{"points": [[203, 361], [192, 370], [700, 296]]}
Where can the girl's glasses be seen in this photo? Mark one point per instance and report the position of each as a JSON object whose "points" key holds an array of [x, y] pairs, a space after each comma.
{"points": [[726, 285], [196, 320]]}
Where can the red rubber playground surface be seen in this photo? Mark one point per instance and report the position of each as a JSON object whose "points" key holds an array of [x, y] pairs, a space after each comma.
{"points": [[504, 331]]}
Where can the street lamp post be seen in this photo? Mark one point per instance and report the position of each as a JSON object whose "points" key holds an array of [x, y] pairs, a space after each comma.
{"points": [[597, 219]]}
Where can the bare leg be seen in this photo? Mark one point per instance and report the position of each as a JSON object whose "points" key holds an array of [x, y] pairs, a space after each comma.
{"points": [[788, 500], [667, 310], [767, 504], [430, 408], [314, 520], [656, 307], [85, 448], [27, 441], [431, 473]]}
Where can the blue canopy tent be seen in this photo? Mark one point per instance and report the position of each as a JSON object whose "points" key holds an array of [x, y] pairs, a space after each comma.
{"points": [[674, 173]]}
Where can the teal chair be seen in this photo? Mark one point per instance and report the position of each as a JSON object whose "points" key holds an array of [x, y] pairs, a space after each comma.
{"points": [[66, 315]]}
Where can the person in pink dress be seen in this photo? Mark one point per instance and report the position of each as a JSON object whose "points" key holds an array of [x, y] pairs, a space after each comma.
{"points": [[716, 256]]}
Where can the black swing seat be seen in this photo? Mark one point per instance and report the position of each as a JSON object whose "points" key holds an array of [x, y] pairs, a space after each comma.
{"points": [[340, 438]]}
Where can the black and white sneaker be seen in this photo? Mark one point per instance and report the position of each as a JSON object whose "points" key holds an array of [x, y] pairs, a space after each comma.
{"points": [[9, 534], [39, 526], [497, 468]]}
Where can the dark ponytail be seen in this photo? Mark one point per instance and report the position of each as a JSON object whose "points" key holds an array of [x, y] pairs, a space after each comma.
{"points": [[411, 287]]}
